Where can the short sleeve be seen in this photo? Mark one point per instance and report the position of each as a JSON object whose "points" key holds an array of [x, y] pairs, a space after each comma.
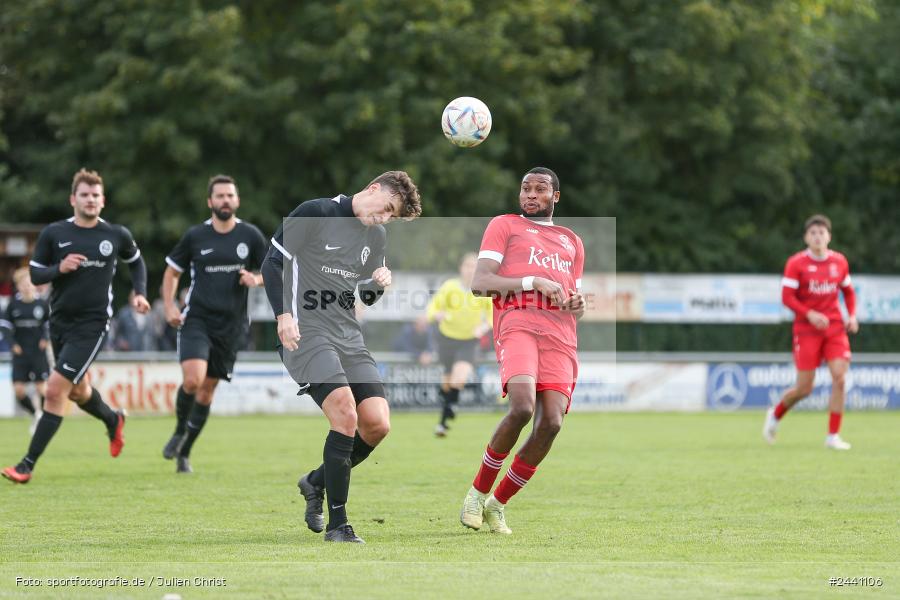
{"points": [[496, 236], [128, 250], [180, 256], [791, 278], [846, 281], [258, 249], [579, 262]]}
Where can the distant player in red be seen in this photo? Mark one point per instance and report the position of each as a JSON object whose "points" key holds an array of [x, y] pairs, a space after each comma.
{"points": [[532, 269], [810, 287]]}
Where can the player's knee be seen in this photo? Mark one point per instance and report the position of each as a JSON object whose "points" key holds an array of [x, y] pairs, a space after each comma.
{"points": [[191, 384], [549, 427], [804, 389], [521, 412], [376, 432]]}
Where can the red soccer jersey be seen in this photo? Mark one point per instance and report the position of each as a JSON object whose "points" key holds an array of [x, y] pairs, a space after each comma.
{"points": [[523, 248], [810, 283]]}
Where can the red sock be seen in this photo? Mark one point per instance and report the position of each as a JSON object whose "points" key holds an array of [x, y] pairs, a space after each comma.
{"points": [[516, 477], [780, 409], [834, 423], [491, 464]]}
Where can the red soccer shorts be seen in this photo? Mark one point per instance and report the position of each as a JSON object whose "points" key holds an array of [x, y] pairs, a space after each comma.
{"points": [[553, 365], [812, 346]]}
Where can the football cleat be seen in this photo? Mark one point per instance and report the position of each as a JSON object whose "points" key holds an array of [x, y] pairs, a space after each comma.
{"points": [[343, 533], [183, 465], [314, 495], [835, 442], [173, 446], [770, 427], [117, 438], [18, 474], [473, 509], [493, 514], [440, 430]]}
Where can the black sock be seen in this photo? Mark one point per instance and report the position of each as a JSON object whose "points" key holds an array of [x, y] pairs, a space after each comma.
{"points": [[183, 404], [361, 451], [25, 403], [336, 457], [98, 408], [195, 423], [42, 402], [43, 433], [451, 398]]}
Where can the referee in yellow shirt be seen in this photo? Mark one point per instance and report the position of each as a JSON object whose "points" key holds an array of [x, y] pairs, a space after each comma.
{"points": [[462, 319]]}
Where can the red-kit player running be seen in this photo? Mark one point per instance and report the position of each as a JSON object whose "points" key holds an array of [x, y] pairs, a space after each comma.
{"points": [[532, 269], [810, 287]]}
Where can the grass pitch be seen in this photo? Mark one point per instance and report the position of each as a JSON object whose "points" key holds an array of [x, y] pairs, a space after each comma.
{"points": [[625, 506]]}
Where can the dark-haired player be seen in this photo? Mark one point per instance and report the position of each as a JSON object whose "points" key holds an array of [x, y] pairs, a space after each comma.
{"points": [[324, 252], [532, 268], [810, 286], [223, 255]]}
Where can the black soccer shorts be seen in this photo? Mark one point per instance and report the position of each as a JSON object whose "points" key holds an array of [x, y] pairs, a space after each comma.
{"points": [[198, 339], [75, 346], [30, 367]]}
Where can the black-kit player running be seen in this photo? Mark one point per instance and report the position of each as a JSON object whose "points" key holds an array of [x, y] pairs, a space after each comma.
{"points": [[78, 256], [324, 252], [223, 255]]}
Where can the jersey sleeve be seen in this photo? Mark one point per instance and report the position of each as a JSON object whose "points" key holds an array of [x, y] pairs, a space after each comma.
{"points": [[41, 266], [258, 249], [790, 283], [791, 277], [180, 256], [579, 262], [848, 291], [128, 249], [7, 328], [42, 257], [494, 241]]}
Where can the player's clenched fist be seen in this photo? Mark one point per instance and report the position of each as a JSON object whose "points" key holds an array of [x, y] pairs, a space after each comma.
{"points": [[71, 262], [382, 276], [140, 304]]}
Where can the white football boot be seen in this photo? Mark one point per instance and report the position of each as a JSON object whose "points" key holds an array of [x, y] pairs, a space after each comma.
{"points": [[473, 509], [835, 442], [770, 427], [493, 514]]}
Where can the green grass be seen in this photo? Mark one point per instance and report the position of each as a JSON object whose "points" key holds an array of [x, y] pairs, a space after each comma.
{"points": [[626, 505]]}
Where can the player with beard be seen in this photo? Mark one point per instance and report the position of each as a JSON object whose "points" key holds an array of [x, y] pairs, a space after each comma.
{"points": [[79, 255], [532, 269], [224, 255]]}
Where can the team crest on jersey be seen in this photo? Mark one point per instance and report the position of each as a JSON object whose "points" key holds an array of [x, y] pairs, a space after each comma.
{"points": [[832, 270], [242, 250], [106, 247], [567, 244], [364, 256], [38, 312]]}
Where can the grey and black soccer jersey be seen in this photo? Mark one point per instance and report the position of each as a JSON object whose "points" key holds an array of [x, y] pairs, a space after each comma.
{"points": [[329, 253], [25, 323], [85, 294], [215, 261]]}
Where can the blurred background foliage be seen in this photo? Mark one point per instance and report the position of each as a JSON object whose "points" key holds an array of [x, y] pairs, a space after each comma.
{"points": [[710, 129]]}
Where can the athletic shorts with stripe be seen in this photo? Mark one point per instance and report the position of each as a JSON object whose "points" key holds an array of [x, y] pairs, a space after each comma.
{"points": [[75, 346], [324, 363], [553, 364]]}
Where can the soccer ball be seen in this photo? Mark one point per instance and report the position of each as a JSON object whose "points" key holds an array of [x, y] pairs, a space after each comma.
{"points": [[466, 122]]}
